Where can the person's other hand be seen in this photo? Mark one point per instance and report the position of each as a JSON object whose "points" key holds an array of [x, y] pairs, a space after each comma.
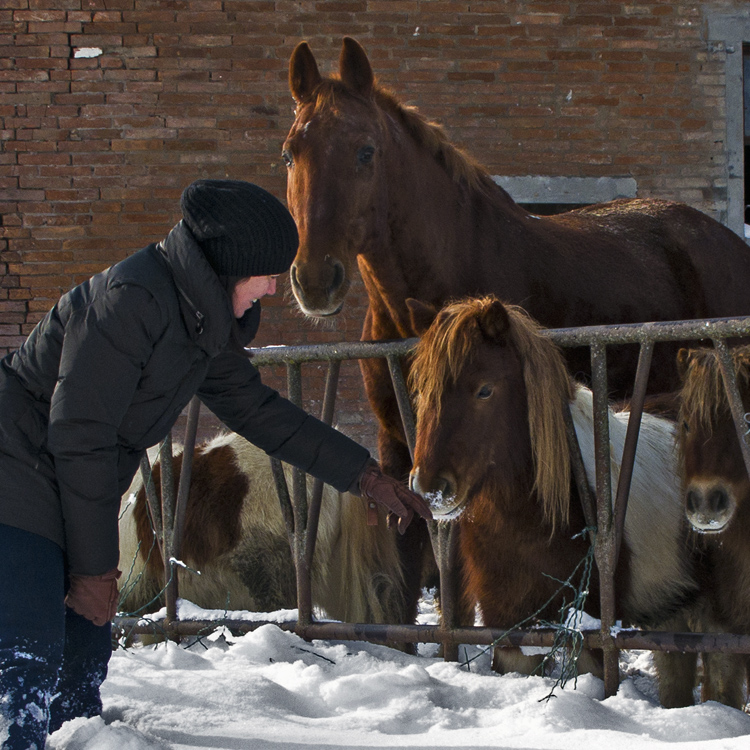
{"points": [[94, 597], [392, 494]]}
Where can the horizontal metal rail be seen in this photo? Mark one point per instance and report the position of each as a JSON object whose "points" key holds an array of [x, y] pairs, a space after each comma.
{"points": [[627, 638], [632, 333]]}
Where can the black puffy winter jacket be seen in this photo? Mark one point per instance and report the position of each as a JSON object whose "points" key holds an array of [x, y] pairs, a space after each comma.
{"points": [[106, 374]]}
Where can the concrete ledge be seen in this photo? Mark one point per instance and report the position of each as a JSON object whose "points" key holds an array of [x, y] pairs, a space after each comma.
{"points": [[583, 190]]}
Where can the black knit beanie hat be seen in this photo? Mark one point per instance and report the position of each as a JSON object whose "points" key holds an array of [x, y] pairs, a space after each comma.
{"points": [[242, 229]]}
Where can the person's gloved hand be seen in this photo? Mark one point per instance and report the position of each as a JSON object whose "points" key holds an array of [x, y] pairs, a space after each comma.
{"points": [[389, 492], [94, 597]]}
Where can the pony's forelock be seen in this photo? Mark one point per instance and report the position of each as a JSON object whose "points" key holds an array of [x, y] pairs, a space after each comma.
{"points": [[703, 398], [449, 345]]}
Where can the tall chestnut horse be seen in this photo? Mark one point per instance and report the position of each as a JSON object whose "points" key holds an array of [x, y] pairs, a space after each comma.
{"points": [[717, 498], [491, 454], [372, 182]]}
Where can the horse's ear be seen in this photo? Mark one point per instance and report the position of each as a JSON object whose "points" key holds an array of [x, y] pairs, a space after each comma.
{"points": [[421, 315], [354, 67], [304, 75], [494, 321]]}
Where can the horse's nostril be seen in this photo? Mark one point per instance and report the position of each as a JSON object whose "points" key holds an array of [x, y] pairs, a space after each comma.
{"points": [[293, 276], [718, 500], [338, 275], [693, 501]]}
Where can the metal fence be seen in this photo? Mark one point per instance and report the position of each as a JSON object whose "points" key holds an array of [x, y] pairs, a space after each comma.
{"points": [[301, 512]]}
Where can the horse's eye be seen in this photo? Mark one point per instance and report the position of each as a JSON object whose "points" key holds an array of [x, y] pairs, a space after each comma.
{"points": [[484, 392], [685, 426], [365, 154], [286, 155]]}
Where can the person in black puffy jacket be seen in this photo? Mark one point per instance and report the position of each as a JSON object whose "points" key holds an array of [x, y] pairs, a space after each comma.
{"points": [[100, 379]]}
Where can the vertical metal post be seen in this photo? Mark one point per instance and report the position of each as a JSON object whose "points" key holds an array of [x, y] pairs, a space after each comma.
{"points": [[300, 511], [444, 537], [167, 515], [605, 544], [183, 490], [631, 443], [316, 498], [733, 396]]}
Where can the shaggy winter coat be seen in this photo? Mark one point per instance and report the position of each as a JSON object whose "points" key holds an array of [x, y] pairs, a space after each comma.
{"points": [[105, 375]]}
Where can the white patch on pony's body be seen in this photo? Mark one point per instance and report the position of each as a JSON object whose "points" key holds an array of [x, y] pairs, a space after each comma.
{"points": [[357, 574], [653, 522]]}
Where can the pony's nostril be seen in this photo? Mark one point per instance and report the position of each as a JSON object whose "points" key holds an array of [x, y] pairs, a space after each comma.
{"points": [[718, 500], [693, 501], [293, 276], [445, 487]]}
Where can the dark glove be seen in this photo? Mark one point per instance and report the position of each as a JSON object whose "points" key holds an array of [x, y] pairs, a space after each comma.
{"points": [[94, 597], [389, 492]]}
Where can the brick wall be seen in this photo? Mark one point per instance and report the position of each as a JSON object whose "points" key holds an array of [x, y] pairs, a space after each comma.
{"points": [[94, 151]]}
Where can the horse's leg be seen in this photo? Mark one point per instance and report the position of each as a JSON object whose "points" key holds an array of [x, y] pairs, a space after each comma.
{"points": [[723, 674], [676, 672], [724, 679]]}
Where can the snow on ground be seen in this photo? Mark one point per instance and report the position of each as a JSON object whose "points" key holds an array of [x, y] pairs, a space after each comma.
{"points": [[272, 690]]}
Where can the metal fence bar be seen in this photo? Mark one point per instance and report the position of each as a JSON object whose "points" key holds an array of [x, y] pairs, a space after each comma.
{"points": [[653, 640], [167, 516], [443, 537], [301, 512], [734, 399], [631, 442], [316, 496], [605, 542], [180, 506]]}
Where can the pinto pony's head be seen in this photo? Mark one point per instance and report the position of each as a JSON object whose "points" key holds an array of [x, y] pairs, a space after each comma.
{"points": [[490, 392], [716, 480]]}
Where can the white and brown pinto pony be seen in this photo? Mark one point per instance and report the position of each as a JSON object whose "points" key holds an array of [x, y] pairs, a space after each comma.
{"points": [[717, 503], [236, 537], [492, 456]]}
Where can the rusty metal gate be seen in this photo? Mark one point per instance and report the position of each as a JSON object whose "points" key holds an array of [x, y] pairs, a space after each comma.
{"points": [[301, 512]]}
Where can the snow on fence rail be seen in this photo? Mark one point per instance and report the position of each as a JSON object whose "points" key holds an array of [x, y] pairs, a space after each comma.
{"points": [[301, 512]]}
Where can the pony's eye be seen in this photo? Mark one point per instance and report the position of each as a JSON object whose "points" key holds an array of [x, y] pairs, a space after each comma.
{"points": [[286, 155], [484, 392], [365, 154], [685, 426]]}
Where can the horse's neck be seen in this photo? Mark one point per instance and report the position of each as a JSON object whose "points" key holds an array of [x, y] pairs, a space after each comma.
{"points": [[443, 235]]}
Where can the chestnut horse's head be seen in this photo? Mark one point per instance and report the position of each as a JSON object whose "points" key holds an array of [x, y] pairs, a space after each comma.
{"points": [[489, 406], [716, 480], [334, 159]]}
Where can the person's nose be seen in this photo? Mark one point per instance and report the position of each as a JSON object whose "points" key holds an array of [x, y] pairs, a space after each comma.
{"points": [[271, 286]]}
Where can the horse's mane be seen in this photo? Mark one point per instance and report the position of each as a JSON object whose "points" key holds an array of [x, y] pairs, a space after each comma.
{"points": [[458, 164], [703, 398], [449, 345]]}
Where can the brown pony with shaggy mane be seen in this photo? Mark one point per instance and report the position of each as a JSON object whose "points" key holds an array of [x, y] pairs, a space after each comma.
{"points": [[717, 502], [236, 537], [372, 183], [496, 462]]}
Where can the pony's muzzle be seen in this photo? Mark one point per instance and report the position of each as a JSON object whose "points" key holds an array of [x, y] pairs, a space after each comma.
{"points": [[709, 506], [440, 493]]}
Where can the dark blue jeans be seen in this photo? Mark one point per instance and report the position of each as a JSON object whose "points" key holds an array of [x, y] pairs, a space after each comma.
{"points": [[52, 660]]}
